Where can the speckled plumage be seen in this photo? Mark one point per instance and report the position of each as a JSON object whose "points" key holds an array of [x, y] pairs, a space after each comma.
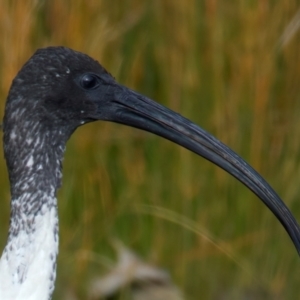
{"points": [[39, 118]]}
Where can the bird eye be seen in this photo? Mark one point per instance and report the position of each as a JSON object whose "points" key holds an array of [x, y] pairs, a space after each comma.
{"points": [[89, 81]]}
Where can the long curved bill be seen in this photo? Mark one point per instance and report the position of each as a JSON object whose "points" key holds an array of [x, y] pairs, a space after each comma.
{"points": [[130, 108]]}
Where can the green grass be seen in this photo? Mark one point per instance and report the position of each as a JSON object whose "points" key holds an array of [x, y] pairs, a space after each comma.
{"points": [[233, 67]]}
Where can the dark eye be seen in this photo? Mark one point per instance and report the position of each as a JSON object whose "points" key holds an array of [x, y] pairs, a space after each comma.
{"points": [[89, 81]]}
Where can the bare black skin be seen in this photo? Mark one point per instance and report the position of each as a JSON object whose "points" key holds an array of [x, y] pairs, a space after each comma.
{"points": [[61, 89]]}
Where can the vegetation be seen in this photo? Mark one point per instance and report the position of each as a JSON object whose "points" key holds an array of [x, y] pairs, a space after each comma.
{"points": [[233, 67]]}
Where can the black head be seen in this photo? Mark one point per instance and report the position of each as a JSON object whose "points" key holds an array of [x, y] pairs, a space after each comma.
{"points": [[59, 89], [56, 91]]}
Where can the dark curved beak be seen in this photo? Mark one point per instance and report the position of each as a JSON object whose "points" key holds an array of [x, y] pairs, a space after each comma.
{"points": [[125, 106]]}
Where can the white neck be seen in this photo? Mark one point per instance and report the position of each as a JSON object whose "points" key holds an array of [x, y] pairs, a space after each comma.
{"points": [[34, 153], [28, 262]]}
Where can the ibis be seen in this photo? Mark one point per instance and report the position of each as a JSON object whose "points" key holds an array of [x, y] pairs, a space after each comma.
{"points": [[56, 91]]}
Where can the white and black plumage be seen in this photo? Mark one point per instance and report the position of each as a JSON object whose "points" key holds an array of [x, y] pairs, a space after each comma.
{"points": [[55, 92]]}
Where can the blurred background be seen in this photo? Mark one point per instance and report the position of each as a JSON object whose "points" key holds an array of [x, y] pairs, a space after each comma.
{"points": [[233, 67]]}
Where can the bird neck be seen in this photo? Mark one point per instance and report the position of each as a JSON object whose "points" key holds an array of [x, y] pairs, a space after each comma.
{"points": [[28, 262]]}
